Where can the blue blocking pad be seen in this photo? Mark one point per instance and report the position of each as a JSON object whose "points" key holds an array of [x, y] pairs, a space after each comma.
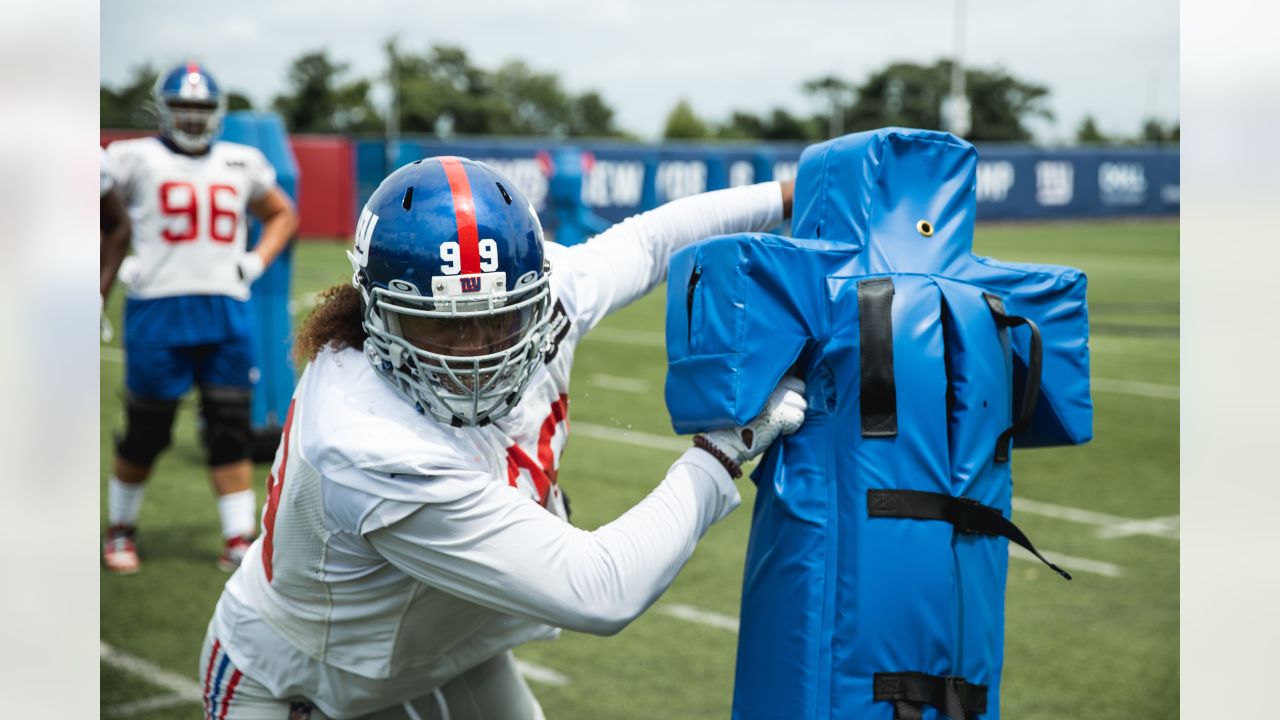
{"points": [[875, 569]]}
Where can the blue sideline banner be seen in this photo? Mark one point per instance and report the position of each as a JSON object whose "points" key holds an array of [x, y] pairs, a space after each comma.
{"points": [[1013, 182]]}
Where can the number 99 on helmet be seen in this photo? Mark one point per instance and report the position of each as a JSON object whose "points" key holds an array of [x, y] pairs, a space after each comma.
{"points": [[449, 261]]}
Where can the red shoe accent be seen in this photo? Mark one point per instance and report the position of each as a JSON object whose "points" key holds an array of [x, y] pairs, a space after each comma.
{"points": [[119, 551]]}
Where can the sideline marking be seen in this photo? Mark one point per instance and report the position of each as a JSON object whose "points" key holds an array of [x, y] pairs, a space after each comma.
{"points": [[646, 338], [1097, 567], [623, 384], [181, 689], [631, 437], [540, 674], [700, 616], [1135, 387], [142, 707], [1110, 526]]}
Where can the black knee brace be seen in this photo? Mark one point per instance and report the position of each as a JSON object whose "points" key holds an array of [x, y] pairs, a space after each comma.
{"points": [[226, 423], [148, 428]]}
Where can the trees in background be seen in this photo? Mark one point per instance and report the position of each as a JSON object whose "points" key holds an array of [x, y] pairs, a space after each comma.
{"points": [[903, 94], [1154, 132], [440, 90], [127, 106], [320, 99]]}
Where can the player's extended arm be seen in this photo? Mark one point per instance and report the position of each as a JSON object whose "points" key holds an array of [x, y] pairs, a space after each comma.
{"points": [[279, 222], [498, 549], [630, 258], [116, 231]]}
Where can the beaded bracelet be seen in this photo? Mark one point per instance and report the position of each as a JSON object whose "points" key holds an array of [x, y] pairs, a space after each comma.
{"points": [[702, 443]]}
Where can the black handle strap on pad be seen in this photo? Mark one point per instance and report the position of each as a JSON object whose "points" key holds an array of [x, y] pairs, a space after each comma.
{"points": [[911, 691], [968, 516], [879, 395], [1031, 392]]}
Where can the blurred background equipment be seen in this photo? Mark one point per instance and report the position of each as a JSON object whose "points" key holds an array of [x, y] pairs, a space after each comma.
{"points": [[566, 212], [269, 302]]}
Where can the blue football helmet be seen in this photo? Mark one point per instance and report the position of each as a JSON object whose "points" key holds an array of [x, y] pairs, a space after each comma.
{"points": [[190, 106], [449, 261]]}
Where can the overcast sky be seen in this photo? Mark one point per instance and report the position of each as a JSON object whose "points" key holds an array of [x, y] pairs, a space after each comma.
{"points": [[1114, 59]]}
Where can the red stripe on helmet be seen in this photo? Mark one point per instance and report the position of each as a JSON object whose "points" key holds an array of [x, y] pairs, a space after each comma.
{"points": [[193, 67], [464, 208]]}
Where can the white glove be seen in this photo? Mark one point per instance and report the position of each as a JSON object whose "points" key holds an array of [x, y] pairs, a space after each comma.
{"points": [[104, 325], [782, 415], [250, 266], [130, 270]]}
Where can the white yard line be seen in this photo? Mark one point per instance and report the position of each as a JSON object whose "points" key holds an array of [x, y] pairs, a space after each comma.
{"points": [[623, 384], [644, 338], [147, 705], [1110, 526], [630, 437], [1168, 526], [1097, 567], [1135, 387], [700, 616], [111, 354], [540, 674], [181, 689]]}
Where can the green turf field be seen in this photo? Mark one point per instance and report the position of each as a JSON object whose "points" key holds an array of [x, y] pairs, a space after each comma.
{"points": [[1103, 646]]}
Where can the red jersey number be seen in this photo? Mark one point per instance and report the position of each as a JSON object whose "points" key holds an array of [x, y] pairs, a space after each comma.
{"points": [[180, 202]]}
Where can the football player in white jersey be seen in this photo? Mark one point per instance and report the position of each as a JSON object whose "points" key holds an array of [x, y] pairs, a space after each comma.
{"points": [[114, 233], [186, 315], [415, 530]]}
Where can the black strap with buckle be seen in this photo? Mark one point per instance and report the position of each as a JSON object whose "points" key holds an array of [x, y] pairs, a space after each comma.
{"points": [[909, 692], [1031, 391], [879, 395], [966, 515]]}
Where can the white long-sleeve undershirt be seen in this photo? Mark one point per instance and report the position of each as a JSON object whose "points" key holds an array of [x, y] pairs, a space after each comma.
{"points": [[497, 549]]}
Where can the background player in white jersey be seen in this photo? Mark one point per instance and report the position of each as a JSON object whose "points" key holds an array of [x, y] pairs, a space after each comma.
{"points": [[115, 230], [186, 316], [415, 530]]}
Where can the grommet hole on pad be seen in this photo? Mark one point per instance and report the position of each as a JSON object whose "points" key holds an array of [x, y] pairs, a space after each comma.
{"points": [[925, 227]]}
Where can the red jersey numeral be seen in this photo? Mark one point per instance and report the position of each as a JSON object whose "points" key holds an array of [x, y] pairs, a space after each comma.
{"points": [[179, 200], [229, 218]]}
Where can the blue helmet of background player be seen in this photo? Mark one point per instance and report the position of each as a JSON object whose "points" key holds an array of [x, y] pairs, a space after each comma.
{"points": [[449, 260], [190, 106]]}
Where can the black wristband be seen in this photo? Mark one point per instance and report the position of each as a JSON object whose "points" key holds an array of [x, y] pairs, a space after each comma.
{"points": [[702, 443]]}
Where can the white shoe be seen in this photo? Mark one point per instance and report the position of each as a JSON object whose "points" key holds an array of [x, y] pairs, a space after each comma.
{"points": [[119, 552]]}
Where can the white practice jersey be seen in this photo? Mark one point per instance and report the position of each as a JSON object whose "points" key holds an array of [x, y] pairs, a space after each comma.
{"points": [[398, 551], [189, 214]]}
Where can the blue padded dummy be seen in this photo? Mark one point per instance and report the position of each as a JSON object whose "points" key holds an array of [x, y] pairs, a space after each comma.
{"points": [[875, 570]]}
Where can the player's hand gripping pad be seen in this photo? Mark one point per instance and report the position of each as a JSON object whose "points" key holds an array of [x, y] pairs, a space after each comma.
{"points": [[874, 584]]}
